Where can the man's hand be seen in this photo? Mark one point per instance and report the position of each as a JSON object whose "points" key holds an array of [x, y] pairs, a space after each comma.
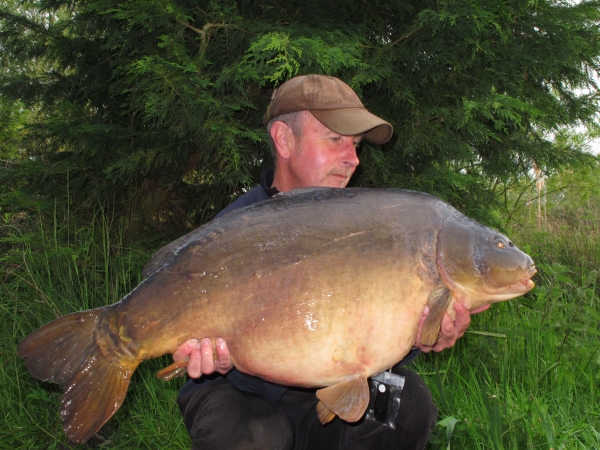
{"points": [[450, 330], [202, 357]]}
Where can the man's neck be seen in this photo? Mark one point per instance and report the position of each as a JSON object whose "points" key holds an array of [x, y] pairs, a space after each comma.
{"points": [[266, 181], [283, 181]]}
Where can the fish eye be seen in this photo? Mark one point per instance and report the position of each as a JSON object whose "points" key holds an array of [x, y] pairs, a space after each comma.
{"points": [[500, 243]]}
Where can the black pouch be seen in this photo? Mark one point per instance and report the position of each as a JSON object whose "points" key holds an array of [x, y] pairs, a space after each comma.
{"points": [[384, 404]]}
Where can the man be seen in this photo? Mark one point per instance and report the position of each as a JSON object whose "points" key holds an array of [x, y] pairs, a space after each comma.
{"points": [[315, 124]]}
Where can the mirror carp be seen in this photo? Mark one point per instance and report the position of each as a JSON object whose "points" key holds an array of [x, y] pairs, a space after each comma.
{"points": [[317, 287]]}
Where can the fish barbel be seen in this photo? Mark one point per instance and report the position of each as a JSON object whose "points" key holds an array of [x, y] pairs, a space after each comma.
{"points": [[317, 288]]}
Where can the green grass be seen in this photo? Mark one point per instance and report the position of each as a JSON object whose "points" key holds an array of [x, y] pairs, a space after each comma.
{"points": [[535, 384], [526, 376], [51, 271], [535, 388]]}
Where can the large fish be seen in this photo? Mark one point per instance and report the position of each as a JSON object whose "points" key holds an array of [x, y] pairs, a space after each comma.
{"points": [[318, 288]]}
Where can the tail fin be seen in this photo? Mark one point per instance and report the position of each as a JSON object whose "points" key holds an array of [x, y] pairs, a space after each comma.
{"points": [[65, 351]]}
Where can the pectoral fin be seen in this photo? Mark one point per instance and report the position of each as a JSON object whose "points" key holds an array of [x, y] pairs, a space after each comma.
{"points": [[348, 399], [324, 414], [438, 301]]}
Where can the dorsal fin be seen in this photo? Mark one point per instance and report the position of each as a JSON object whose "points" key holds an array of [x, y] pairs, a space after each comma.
{"points": [[162, 255]]}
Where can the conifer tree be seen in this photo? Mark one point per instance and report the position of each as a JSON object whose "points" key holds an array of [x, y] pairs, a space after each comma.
{"points": [[154, 108]]}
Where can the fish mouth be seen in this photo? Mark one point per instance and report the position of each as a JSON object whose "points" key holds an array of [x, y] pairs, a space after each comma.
{"points": [[516, 289], [519, 287], [527, 280]]}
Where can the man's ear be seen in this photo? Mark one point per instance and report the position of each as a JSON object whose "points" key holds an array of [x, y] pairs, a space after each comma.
{"points": [[284, 139]]}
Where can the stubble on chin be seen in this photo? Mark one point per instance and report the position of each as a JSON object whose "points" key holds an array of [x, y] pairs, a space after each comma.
{"points": [[334, 180], [341, 179]]}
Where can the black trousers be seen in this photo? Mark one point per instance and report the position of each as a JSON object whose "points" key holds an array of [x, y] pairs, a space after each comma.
{"points": [[218, 416]]}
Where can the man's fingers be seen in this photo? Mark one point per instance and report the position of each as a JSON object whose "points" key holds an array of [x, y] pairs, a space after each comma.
{"points": [[223, 363], [206, 353], [448, 334], [463, 320], [194, 368], [202, 357], [481, 309], [448, 327], [453, 330], [184, 349]]}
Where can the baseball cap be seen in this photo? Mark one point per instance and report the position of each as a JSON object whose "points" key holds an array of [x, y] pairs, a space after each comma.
{"points": [[332, 102]]}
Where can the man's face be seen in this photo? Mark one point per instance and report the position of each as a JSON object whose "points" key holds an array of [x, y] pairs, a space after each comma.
{"points": [[322, 157]]}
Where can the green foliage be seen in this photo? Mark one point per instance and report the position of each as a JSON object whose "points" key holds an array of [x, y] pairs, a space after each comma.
{"points": [[526, 374], [566, 199], [153, 109]]}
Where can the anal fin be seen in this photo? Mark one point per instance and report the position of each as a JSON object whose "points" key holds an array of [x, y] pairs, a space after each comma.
{"points": [[348, 399], [438, 301]]}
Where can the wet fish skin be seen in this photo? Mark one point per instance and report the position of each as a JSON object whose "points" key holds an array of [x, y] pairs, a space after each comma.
{"points": [[316, 288]]}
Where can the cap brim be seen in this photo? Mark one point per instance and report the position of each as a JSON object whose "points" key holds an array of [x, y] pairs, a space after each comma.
{"points": [[355, 121]]}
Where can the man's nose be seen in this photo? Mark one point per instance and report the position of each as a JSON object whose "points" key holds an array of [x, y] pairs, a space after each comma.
{"points": [[349, 157]]}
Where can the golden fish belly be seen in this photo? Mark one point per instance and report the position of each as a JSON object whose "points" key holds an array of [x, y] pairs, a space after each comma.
{"points": [[313, 324]]}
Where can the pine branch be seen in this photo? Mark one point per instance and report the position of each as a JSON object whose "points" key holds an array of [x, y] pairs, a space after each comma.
{"points": [[205, 29], [405, 36]]}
